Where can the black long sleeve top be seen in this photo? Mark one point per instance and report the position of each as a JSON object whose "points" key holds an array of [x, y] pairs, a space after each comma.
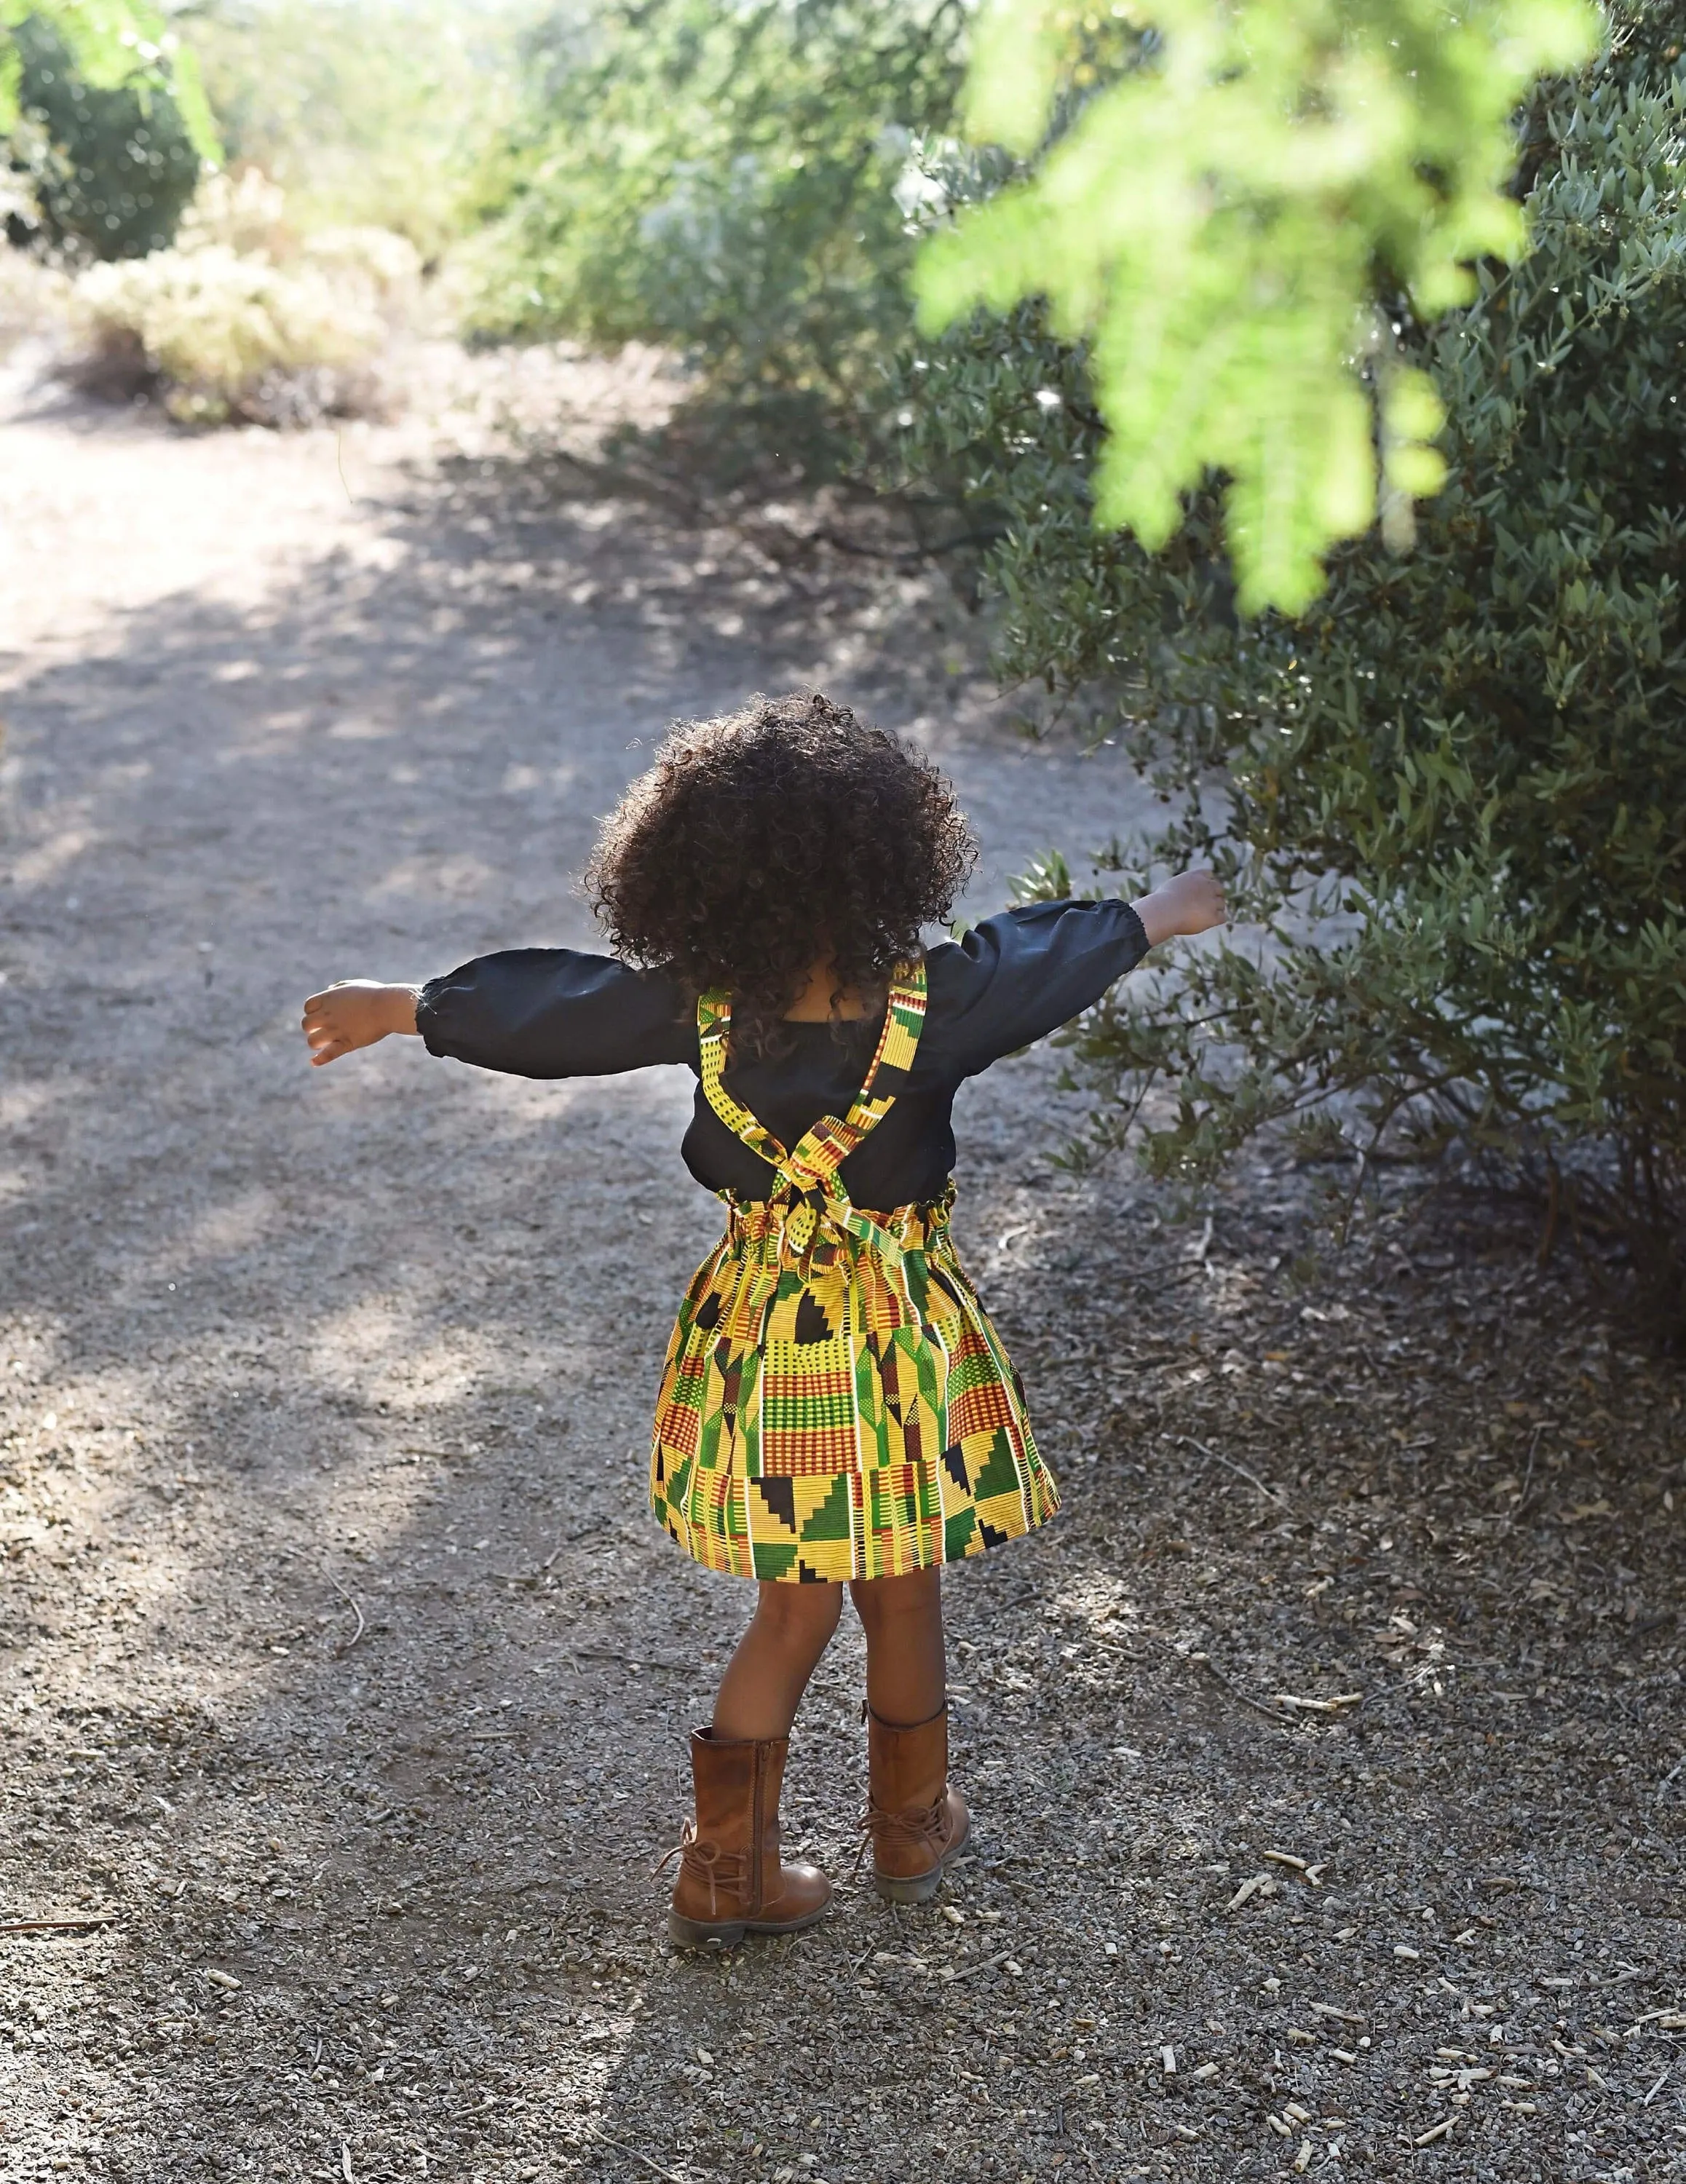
{"points": [[553, 1012]]}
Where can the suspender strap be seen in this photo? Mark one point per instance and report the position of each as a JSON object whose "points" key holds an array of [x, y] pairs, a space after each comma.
{"points": [[813, 1164]]}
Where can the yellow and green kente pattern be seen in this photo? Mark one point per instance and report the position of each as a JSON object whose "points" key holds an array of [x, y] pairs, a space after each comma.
{"points": [[835, 1402]]}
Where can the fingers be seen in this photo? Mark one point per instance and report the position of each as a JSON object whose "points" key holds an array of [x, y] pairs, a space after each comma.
{"points": [[326, 1032]]}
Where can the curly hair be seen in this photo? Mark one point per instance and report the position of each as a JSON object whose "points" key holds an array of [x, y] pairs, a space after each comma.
{"points": [[784, 835]]}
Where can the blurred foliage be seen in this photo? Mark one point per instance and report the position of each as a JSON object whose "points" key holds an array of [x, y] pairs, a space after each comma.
{"points": [[247, 320], [367, 113], [1451, 797], [1213, 188], [722, 180], [103, 157], [110, 44]]}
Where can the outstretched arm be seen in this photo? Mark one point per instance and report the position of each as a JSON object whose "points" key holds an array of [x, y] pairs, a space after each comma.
{"points": [[354, 1012], [1191, 903]]}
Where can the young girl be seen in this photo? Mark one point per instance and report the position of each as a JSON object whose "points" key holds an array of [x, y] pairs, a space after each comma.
{"points": [[836, 1407]]}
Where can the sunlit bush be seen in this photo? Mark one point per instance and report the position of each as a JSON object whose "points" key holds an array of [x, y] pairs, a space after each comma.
{"points": [[243, 320], [34, 298]]}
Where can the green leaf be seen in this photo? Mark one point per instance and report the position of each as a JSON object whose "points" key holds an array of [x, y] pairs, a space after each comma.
{"points": [[1209, 222]]}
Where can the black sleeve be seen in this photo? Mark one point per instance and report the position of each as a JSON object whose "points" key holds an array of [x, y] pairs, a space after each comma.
{"points": [[555, 1012], [1015, 977]]}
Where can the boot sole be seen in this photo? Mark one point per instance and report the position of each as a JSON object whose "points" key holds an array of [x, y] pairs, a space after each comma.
{"points": [[918, 1887], [695, 1934]]}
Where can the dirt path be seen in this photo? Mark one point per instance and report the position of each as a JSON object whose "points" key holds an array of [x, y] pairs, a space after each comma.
{"points": [[345, 1673]]}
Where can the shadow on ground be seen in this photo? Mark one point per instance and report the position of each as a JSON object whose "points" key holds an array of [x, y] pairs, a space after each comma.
{"points": [[1321, 1754]]}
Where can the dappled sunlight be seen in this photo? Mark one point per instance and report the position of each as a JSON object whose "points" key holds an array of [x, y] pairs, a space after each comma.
{"points": [[459, 878], [375, 1352], [56, 856], [1098, 1598], [346, 1662]]}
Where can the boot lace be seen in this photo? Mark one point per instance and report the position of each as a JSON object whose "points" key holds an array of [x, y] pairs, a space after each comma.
{"points": [[915, 1824], [721, 1872]]}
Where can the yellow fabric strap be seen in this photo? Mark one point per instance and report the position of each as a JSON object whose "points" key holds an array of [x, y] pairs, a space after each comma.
{"points": [[813, 1164]]}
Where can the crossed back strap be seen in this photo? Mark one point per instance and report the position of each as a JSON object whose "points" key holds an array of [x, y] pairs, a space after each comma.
{"points": [[813, 1164]]}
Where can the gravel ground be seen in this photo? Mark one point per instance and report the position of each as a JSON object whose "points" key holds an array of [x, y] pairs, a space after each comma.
{"points": [[1327, 1757]]}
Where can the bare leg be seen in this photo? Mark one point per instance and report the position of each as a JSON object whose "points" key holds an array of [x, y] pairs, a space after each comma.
{"points": [[766, 1676], [906, 1672]]}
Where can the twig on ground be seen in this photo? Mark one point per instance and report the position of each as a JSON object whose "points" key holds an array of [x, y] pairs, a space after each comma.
{"points": [[633, 1660], [970, 1971], [1240, 1470], [1625, 1977], [1259, 1705], [579, 1532], [759, 533], [59, 1926], [340, 1652], [1668, 1779], [1528, 1479], [632, 2154]]}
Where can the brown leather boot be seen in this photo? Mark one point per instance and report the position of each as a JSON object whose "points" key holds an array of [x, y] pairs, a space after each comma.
{"points": [[915, 1822], [732, 1881]]}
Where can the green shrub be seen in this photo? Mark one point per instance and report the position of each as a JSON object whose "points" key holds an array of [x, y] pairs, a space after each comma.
{"points": [[722, 181], [1452, 796], [109, 169]]}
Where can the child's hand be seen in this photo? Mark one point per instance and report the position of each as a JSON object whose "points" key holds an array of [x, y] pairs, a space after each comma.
{"points": [[1191, 903], [355, 1012]]}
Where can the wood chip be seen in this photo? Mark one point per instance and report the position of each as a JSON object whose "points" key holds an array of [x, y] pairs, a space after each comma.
{"points": [[1167, 2061], [226, 1979], [1434, 2132], [1341, 2016]]}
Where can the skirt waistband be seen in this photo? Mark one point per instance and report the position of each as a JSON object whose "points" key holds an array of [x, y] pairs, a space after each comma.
{"points": [[913, 1228]]}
